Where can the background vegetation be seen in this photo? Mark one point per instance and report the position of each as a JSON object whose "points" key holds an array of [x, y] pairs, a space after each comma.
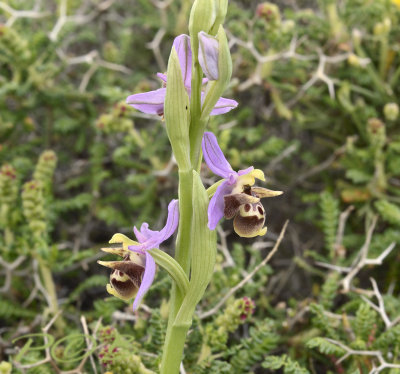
{"points": [[317, 86]]}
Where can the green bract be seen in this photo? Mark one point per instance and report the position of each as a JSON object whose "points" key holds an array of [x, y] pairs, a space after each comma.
{"points": [[177, 112]]}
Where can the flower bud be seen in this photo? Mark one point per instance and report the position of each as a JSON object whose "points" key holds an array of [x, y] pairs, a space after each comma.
{"points": [[208, 55], [387, 25], [44, 170], [288, 26], [5, 367], [221, 7], [8, 185], [107, 334], [117, 121], [353, 60], [236, 314], [215, 88], [270, 13], [383, 28], [202, 18], [376, 132], [246, 306], [391, 111]]}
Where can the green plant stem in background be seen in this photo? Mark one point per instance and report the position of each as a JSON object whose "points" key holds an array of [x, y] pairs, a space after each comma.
{"points": [[380, 84], [49, 285], [383, 55]]}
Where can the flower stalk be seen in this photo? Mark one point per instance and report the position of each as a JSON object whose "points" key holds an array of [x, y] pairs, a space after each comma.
{"points": [[199, 70]]}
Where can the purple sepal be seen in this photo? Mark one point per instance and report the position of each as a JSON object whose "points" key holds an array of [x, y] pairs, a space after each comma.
{"points": [[151, 102], [182, 47], [246, 171], [162, 76], [219, 165], [223, 106], [147, 280], [149, 239], [214, 156], [216, 205]]}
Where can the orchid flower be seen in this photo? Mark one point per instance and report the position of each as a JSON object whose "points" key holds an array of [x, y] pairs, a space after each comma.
{"points": [[235, 197], [133, 276], [152, 102]]}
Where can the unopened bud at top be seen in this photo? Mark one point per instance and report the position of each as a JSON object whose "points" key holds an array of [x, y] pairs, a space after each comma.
{"points": [[221, 7], [202, 18]]}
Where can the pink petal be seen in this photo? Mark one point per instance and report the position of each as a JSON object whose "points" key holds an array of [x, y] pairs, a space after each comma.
{"points": [[147, 280], [151, 102], [208, 55], [217, 204], [214, 156], [182, 47], [223, 106]]}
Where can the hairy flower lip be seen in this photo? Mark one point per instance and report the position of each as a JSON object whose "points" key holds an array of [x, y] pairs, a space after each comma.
{"points": [[133, 276], [234, 192]]}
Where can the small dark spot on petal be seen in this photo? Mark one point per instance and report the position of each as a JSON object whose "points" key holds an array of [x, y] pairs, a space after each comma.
{"points": [[260, 210], [120, 273], [247, 208]]}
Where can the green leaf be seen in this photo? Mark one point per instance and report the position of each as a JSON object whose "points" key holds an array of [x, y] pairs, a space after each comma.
{"points": [[176, 111], [325, 346], [204, 245], [389, 212], [172, 267]]}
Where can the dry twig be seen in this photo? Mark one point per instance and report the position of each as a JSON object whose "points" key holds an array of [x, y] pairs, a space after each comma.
{"points": [[248, 277]]}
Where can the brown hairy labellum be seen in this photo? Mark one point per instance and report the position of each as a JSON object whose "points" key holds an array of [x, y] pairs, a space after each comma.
{"points": [[247, 210], [126, 275]]}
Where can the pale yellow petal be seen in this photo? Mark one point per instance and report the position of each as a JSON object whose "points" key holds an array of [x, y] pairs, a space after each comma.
{"points": [[123, 239]]}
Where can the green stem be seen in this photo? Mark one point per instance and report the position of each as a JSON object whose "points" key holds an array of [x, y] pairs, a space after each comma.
{"points": [[381, 86], [383, 58], [49, 285], [173, 349], [196, 125], [176, 335]]}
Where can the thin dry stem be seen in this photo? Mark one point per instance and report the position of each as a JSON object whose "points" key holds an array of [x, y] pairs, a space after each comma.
{"points": [[232, 291]]}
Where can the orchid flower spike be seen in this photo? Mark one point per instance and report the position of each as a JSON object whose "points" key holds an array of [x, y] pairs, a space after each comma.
{"points": [[133, 276], [235, 197], [152, 102]]}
